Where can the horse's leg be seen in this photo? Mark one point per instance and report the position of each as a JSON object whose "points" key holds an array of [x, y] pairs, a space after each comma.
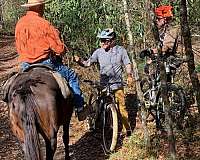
{"points": [[51, 144], [66, 140]]}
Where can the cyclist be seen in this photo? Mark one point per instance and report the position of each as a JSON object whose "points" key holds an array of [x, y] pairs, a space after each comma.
{"points": [[35, 39], [111, 58], [169, 35]]}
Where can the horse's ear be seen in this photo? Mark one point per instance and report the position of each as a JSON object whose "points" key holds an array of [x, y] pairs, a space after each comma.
{"points": [[6, 87]]}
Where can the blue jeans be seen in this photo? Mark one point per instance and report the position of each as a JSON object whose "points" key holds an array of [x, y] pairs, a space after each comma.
{"points": [[68, 74]]}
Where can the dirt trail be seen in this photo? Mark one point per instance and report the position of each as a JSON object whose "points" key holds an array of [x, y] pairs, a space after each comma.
{"points": [[83, 145]]}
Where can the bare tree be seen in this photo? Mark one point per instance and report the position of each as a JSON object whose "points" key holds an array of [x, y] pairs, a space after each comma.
{"points": [[138, 88], [164, 93], [188, 51]]}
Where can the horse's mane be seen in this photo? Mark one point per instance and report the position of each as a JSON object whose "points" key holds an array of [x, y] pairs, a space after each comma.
{"points": [[36, 105], [29, 115], [23, 88]]}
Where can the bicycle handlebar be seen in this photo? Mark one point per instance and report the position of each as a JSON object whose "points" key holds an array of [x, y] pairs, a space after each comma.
{"points": [[98, 84]]}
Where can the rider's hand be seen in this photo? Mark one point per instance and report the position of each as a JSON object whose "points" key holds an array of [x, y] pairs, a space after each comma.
{"points": [[76, 58]]}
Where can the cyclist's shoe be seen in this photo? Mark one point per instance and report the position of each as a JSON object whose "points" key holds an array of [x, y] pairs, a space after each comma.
{"points": [[128, 133]]}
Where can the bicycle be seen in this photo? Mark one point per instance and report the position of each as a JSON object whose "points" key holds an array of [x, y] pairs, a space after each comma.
{"points": [[151, 88], [103, 114]]}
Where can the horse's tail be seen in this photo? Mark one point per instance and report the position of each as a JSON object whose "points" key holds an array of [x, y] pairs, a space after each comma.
{"points": [[29, 119]]}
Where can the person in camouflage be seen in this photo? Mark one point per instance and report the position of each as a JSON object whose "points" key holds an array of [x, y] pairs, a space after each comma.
{"points": [[169, 35], [170, 39]]}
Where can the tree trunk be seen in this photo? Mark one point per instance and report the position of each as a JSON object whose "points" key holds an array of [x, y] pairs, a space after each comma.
{"points": [[168, 120], [135, 68], [188, 51], [164, 94]]}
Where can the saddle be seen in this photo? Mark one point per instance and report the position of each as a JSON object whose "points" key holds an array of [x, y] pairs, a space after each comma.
{"points": [[62, 83]]}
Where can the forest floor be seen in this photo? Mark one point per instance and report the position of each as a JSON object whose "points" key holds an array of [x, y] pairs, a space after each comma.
{"points": [[85, 145]]}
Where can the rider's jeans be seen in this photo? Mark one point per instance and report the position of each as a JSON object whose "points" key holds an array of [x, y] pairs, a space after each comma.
{"points": [[68, 74]]}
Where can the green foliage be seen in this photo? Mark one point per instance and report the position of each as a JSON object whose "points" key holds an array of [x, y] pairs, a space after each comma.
{"points": [[11, 11], [197, 68], [80, 21], [194, 15]]}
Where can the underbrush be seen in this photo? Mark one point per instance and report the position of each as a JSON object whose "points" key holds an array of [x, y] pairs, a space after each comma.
{"points": [[187, 143], [133, 148]]}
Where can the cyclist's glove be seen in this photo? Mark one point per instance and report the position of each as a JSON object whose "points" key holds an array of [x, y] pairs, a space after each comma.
{"points": [[145, 53]]}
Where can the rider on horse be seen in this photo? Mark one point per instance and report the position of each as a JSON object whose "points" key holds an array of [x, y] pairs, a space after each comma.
{"points": [[36, 40]]}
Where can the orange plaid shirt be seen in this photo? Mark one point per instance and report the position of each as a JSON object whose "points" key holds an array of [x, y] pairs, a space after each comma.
{"points": [[34, 38]]}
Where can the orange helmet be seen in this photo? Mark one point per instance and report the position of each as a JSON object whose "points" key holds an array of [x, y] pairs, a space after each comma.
{"points": [[164, 11]]}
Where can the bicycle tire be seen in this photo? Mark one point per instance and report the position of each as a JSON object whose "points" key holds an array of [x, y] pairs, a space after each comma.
{"points": [[145, 85], [110, 128], [91, 119], [177, 101], [178, 105]]}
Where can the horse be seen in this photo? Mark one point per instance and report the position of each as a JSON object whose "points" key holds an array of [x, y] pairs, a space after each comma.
{"points": [[37, 106]]}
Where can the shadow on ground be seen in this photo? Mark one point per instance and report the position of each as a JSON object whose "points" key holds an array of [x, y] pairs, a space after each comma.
{"points": [[88, 147], [132, 108]]}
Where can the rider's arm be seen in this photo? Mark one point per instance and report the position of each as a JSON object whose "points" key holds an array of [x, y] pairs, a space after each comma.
{"points": [[129, 70], [54, 40], [127, 63]]}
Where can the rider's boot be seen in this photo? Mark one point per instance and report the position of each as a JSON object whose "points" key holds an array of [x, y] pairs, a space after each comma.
{"points": [[82, 113]]}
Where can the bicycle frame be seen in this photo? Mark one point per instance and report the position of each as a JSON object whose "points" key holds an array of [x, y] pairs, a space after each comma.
{"points": [[104, 96], [153, 100], [170, 69], [105, 114]]}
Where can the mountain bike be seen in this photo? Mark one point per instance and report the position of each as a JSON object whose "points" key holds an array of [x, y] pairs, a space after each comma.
{"points": [[103, 114], [151, 88]]}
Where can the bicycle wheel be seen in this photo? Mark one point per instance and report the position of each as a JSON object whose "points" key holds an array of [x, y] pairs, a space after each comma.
{"points": [[145, 85], [93, 105], [110, 127], [177, 102], [178, 105]]}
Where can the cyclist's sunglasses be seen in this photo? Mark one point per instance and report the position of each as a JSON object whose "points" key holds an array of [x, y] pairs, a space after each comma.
{"points": [[105, 40]]}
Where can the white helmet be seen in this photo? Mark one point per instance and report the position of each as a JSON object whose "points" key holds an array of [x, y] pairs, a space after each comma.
{"points": [[107, 34]]}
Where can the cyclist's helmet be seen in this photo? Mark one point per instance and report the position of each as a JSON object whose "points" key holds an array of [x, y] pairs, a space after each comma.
{"points": [[107, 34], [164, 11]]}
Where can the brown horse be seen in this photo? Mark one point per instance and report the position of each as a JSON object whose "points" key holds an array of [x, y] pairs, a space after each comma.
{"points": [[37, 106]]}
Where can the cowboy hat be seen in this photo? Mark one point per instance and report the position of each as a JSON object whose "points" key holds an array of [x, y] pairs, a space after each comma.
{"points": [[31, 3]]}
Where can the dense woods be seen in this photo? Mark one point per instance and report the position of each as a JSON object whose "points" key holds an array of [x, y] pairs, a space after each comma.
{"points": [[79, 22]]}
